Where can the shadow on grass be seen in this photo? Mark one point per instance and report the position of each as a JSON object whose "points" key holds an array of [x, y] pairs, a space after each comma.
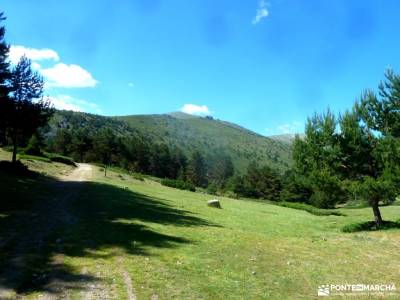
{"points": [[370, 226], [42, 219]]}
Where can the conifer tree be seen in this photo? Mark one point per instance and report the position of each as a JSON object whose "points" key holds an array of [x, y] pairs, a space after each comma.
{"points": [[5, 102], [29, 110], [197, 170]]}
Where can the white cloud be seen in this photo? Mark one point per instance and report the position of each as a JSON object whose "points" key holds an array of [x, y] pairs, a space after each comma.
{"points": [[261, 13], [68, 76], [16, 52], [193, 109], [66, 102], [60, 74], [63, 103], [291, 128]]}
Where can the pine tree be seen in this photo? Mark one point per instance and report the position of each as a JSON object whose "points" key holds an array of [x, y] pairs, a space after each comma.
{"points": [[105, 146], [356, 156], [81, 143], [29, 110], [221, 168], [61, 142], [318, 160], [5, 102], [381, 112], [259, 182], [197, 170]]}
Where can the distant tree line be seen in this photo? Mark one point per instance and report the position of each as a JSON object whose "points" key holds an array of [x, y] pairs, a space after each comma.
{"points": [[95, 142]]}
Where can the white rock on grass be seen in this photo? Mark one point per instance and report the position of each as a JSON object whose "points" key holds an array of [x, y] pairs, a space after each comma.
{"points": [[214, 203]]}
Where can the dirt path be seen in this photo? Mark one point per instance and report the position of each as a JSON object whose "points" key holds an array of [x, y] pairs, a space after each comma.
{"points": [[41, 223], [65, 194], [82, 173], [130, 291], [53, 215]]}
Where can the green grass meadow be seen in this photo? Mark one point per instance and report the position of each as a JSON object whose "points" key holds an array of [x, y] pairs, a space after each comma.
{"points": [[169, 245]]}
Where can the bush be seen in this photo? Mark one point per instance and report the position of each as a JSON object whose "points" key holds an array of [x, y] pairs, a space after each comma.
{"points": [[179, 184], [32, 151], [34, 157], [138, 176], [8, 148], [35, 146], [370, 226], [311, 209], [62, 159], [212, 189], [230, 194]]}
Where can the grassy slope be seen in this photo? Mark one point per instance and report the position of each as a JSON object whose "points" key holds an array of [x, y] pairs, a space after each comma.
{"points": [[172, 245], [291, 251], [208, 136]]}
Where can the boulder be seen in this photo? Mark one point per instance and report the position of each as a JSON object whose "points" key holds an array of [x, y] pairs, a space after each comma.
{"points": [[214, 203]]}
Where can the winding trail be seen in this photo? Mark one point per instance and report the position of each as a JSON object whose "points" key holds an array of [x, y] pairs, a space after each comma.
{"points": [[42, 221], [49, 216], [66, 193], [130, 291], [82, 173]]}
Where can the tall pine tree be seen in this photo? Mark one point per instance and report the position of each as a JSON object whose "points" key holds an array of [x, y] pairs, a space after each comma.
{"points": [[197, 170], [29, 110], [5, 102]]}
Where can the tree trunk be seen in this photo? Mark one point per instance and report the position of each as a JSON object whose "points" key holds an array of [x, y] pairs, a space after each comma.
{"points": [[15, 146], [105, 170], [3, 139], [377, 213]]}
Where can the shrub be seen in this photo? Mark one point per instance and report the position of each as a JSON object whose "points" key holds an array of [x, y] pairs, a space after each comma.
{"points": [[34, 157], [7, 148], [179, 184], [138, 176], [212, 189], [311, 209], [32, 151], [370, 226], [231, 194], [35, 146], [62, 159]]}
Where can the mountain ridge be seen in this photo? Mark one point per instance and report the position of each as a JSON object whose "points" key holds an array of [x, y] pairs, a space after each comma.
{"points": [[190, 133], [209, 134]]}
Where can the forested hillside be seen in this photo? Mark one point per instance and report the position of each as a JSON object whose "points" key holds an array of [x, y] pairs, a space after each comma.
{"points": [[209, 136]]}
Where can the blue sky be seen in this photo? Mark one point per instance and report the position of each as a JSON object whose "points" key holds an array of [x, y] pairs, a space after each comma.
{"points": [[265, 65]]}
